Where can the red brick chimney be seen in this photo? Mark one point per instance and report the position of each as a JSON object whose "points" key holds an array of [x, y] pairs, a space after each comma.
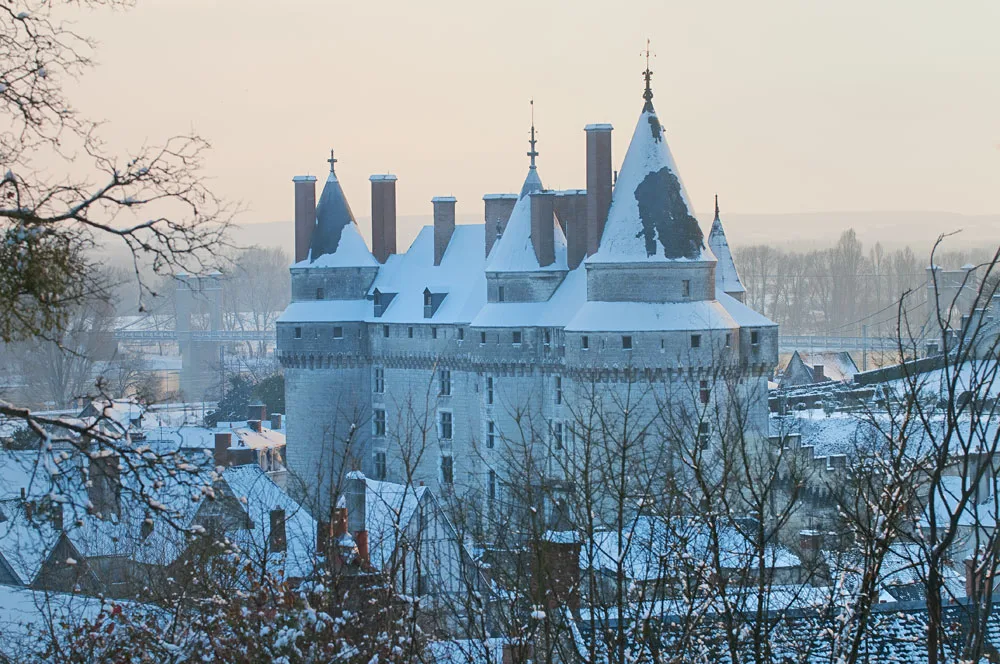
{"points": [[257, 411], [498, 208], [444, 224], [598, 182], [383, 216], [543, 227], [276, 421], [255, 425], [556, 578], [223, 441], [819, 373], [305, 214], [104, 491]]}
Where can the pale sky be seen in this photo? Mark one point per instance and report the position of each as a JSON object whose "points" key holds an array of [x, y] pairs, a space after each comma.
{"points": [[787, 106]]}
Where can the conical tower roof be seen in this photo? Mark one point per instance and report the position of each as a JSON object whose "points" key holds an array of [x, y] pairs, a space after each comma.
{"points": [[514, 251], [651, 217], [727, 278], [336, 240]]}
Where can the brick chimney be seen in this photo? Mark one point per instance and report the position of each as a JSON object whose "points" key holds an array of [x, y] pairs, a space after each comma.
{"points": [[277, 539], [257, 411], [556, 578], [104, 491], [383, 216], [819, 373], [543, 227], [518, 652], [276, 421], [498, 208], [305, 214], [598, 182], [444, 224], [571, 211], [255, 425], [356, 490], [223, 441]]}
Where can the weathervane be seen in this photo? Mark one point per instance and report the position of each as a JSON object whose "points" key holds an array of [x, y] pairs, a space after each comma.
{"points": [[648, 75], [332, 160], [533, 152]]}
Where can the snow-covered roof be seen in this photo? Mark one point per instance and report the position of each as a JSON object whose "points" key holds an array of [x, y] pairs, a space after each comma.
{"points": [[336, 239], [319, 311], [742, 314], [514, 251], [25, 543], [460, 276], [651, 217], [727, 278], [651, 317]]}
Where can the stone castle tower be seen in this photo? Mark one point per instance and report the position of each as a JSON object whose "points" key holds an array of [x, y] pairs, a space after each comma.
{"points": [[432, 365]]}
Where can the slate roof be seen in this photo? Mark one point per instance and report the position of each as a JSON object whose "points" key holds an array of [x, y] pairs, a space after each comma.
{"points": [[336, 239]]}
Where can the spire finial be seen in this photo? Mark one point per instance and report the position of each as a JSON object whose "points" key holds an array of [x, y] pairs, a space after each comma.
{"points": [[332, 160], [533, 152], [648, 75], [716, 207]]}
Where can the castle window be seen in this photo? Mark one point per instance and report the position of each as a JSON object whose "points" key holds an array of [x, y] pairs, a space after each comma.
{"points": [[557, 435], [447, 470], [686, 288], [491, 484], [380, 466], [444, 382], [516, 338], [547, 337], [379, 387], [482, 338], [499, 293], [338, 332], [378, 422], [409, 332], [298, 333], [445, 425], [585, 342], [729, 339], [704, 393], [461, 333], [754, 337], [491, 434], [489, 389], [385, 331], [434, 333], [557, 380], [627, 342], [695, 341]]}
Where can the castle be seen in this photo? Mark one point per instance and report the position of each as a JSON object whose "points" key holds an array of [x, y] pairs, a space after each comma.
{"points": [[425, 366]]}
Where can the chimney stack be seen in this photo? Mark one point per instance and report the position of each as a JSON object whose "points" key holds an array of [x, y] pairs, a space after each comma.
{"points": [[498, 208], [444, 224], [305, 214], [105, 485], [257, 411], [356, 488], [276, 421], [383, 216], [543, 227], [819, 373], [571, 211], [223, 441], [598, 182], [277, 539], [255, 425]]}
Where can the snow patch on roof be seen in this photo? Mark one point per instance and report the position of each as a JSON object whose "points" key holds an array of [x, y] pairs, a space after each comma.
{"points": [[556, 312]]}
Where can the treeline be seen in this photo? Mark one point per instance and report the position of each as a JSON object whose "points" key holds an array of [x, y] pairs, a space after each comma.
{"points": [[838, 290]]}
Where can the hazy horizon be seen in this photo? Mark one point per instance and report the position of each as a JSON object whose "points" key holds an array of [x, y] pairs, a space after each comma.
{"points": [[802, 108]]}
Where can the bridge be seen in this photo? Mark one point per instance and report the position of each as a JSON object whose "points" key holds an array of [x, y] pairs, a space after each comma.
{"points": [[157, 336], [790, 342]]}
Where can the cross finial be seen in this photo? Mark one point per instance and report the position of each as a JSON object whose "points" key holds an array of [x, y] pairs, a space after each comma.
{"points": [[332, 160], [716, 207], [533, 152], [648, 75]]}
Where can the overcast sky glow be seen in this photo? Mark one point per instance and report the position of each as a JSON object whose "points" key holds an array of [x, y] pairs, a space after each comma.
{"points": [[783, 106]]}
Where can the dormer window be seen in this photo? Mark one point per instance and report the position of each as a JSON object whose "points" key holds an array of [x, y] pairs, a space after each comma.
{"points": [[432, 300], [381, 301]]}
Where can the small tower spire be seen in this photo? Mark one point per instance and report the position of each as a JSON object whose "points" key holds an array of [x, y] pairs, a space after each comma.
{"points": [[716, 207], [332, 160], [533, 152], [648, 75]]}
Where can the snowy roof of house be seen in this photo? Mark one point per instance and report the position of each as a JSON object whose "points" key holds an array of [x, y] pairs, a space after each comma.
{"points": [[651, 217], [389, 507], [514, 251], [25, 543], [336, 239], [727, 278], [259, 496], [837, 365]]}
